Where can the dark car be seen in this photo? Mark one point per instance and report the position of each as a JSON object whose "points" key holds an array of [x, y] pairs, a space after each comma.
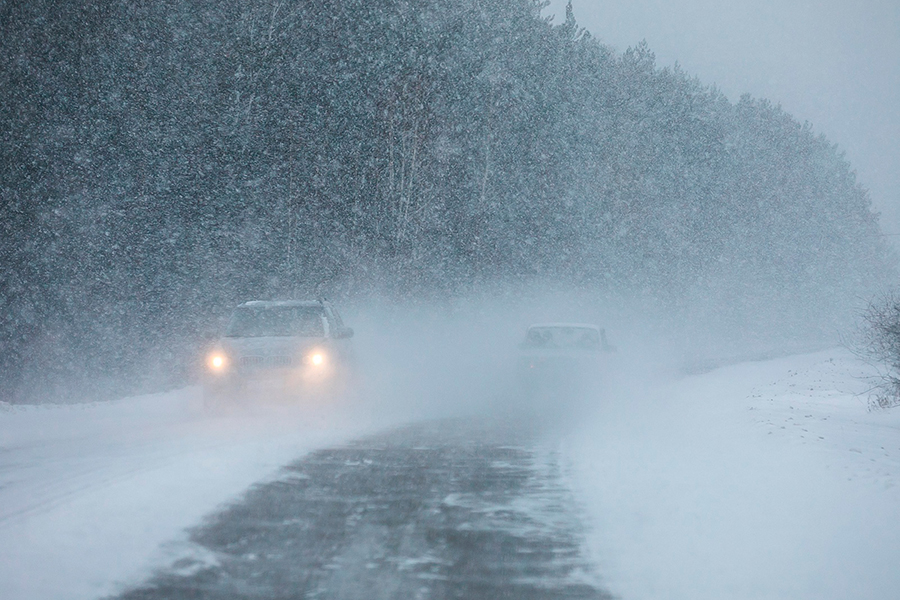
{"points": [[559, 356]]}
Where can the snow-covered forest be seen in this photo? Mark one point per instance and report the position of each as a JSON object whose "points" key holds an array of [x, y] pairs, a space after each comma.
{"points": [[161, 161]]}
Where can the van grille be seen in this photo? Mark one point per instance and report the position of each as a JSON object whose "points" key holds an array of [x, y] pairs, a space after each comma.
{"points": [[263, 362]]}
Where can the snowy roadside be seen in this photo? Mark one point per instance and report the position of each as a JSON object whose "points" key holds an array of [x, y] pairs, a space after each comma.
{"points": [[759, 480], [95, 495]]}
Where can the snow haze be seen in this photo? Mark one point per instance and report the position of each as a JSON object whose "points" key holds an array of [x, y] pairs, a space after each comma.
{"points": [[424, 152], [447, 174], [759, 480], [835, 64]]}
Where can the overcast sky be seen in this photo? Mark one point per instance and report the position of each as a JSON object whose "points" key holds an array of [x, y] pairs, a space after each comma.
{"points": [[833, 63]]}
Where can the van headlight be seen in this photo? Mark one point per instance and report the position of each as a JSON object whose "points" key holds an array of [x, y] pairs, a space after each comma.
{"points": [[316, 358], [217, 362]]}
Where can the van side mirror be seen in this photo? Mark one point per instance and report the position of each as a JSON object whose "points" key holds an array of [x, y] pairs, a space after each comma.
{"points": [[607, 347]]}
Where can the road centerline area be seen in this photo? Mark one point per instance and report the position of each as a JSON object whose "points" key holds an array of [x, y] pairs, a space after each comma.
{"points": [[450, 509]]}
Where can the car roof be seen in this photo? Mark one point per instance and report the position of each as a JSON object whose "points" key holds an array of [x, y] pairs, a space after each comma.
{"points": [[574, 325], [283, 303]]}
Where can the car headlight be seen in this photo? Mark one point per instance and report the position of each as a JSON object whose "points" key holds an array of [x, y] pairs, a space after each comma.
{"points": [[316, 358], [217, 362]]}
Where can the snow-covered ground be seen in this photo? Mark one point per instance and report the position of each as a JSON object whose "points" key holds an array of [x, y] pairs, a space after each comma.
{"points": [[96, 495], [761, 480]]}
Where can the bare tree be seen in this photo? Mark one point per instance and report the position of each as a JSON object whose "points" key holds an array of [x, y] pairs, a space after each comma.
{"points": [[406, 123], [880, 345]]}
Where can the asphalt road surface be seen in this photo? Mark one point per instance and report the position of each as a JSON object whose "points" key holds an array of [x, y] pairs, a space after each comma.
{"points": [[450, 509]]}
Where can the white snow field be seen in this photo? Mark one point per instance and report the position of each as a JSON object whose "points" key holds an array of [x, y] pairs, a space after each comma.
{"points": [[765, 480], [94, 496], [760, 480]]}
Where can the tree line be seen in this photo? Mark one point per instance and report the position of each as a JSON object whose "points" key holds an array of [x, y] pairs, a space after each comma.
{"points": [[163, 160]]}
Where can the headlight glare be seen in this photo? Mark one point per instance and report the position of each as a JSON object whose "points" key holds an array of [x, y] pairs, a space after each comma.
{"points": [[217, 361]]}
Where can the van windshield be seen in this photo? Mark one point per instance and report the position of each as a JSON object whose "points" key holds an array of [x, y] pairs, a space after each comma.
{"points": [[276, 321]]}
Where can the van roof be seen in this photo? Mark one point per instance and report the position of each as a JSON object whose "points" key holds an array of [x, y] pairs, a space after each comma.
{"points": [[560, 325], [283, 303]]}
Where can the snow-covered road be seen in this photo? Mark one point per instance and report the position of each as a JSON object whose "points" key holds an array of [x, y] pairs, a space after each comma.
{"points": [[450, 508], [92, 495], [760, 480]]}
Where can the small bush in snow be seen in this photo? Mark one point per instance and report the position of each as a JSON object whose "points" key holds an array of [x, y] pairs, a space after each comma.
{"points": [[880, 343]]}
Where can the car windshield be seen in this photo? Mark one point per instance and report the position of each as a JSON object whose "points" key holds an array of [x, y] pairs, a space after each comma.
{"points": [[276, 321], [562, 337]]}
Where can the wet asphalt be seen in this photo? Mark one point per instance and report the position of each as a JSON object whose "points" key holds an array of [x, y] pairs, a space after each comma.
{"points": [[449, 509]]}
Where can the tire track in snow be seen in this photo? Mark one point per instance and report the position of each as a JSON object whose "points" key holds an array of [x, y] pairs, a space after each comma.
{"points": [[443, 510]]}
